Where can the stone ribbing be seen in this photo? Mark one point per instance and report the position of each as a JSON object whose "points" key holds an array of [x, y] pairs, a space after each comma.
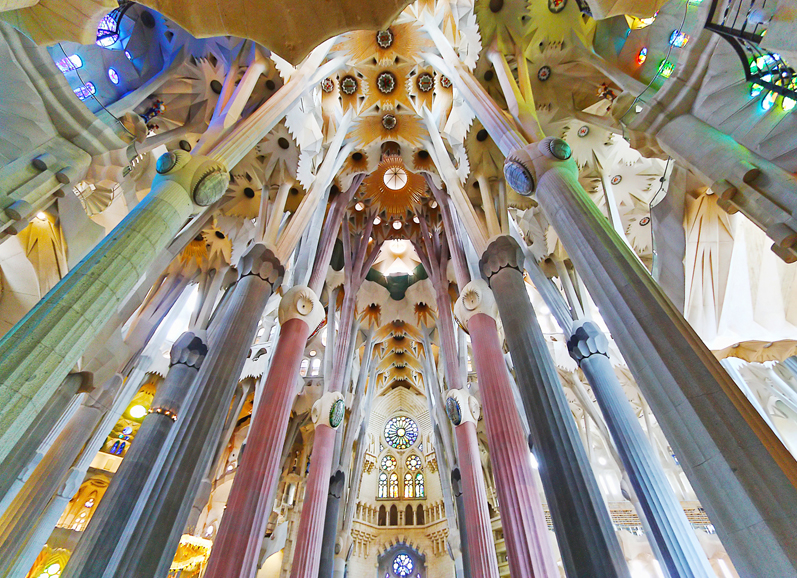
{"points": [[113, 514], [680, 552], [480, 543], [39, 351], [581, 521], [741, 472], [522, 516], [236, 549], [148, 546]]}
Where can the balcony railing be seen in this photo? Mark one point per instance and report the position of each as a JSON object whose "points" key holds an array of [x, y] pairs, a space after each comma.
{"points": [[743, 24]]}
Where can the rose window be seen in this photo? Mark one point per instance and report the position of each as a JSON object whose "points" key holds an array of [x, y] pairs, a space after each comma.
{"points": [[401, 432], [402, 565], [389, 463]]}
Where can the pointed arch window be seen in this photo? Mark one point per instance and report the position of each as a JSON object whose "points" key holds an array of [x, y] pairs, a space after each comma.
{"points": [[304, 367], [382, 485], [393, 485], [420, 487], [316, 367], [408, 493]]}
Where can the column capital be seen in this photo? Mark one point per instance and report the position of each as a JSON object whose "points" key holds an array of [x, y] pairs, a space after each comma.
{"points": [[586, 340], [204, 178], [523, 168], [189, 349], [329, 410], [301, 302], [502, 252], [259, 260], [462, 407], [476, 297]]}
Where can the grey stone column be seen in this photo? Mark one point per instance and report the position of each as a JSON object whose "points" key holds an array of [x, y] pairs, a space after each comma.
{"points": [[24, 451], [113, 514], [337, 483], [147, 547], [581, 521], [456, 487], [680, 553], [20, 520], [742, 474]]}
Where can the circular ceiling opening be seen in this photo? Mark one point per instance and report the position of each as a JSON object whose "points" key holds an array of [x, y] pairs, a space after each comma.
{"points": [[395, 178]]}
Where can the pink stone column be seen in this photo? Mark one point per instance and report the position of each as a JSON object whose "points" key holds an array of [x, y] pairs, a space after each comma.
{"points": [[236, 550], [481, 545], [522, 517], [307, 555]]}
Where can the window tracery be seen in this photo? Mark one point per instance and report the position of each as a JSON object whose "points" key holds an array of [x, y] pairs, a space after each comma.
{"points": [[401, 432], [393, 486]]}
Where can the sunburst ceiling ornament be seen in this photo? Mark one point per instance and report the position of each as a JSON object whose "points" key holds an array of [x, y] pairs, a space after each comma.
{"points": [[386, 82], [392, 187], [404, 41]]}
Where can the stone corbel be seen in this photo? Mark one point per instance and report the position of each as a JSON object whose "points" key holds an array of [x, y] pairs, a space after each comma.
{"points": [[476, 297], [525, 167], [205, 179], [260, 261], [462, 407], [329, 410], [586, 340], [300, 302], [189, 349]]}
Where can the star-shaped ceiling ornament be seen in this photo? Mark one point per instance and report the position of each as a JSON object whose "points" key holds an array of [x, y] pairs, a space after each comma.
{"points": [[400, 42], [394, 188]]}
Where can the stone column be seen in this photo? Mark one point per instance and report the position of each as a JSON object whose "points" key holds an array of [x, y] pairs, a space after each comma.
{"points": [[20, 458], [742, 474], [21, 519], [337, 483], [39, 351], [463, 410], [581, 521], [113, 514], [680, 552], [327, 414], [525, 528], [456, 487], [236, 549], [148, 544]]}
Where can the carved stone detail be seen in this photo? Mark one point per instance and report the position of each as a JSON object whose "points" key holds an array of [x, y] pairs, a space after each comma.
{"points": [[476, 297], [323, 409], [469, 408], [586, 340], [189, 349], [259, 260], [300, 302], [500, 253]]}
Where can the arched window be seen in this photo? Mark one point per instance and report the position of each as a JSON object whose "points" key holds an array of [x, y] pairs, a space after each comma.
{"points": [[304, 367], [393, 515], [85, 91], [382, 516], [413, 463], [409, 514], [408, 493], [389, 463], [393, 486], [382, 485], [420, 518], [316, 367], [69, 63], [420, 490]]}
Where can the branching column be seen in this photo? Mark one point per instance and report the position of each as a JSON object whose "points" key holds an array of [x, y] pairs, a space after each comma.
{"points": [[236, 550], [148, 547], [521, 511], [581, 521], [116, 507]]}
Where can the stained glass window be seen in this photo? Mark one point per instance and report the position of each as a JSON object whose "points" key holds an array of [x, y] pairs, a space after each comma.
{"points": [[69, 63], [85, 91], [402, 565], [413, 463], [420, 490], [401, 432], [107, 31], [389, 463], [54, 570], [408, 485], [383, 485], [394, 489]]}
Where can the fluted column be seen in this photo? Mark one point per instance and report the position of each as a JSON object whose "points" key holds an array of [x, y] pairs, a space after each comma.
{"points": [[337, 483], [463, 410], [113, 514], [21, 457], [39, 351], [149, 543], [459, 500], [525, 529], [328, 413], [236, 550], [20, 520], [581, 521], [679, 551], [742, 474]]}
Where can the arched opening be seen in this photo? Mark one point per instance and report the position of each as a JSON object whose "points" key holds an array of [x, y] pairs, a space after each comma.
{"points": [[420, 519], [409, 514], [393, 515], [381, 519]]}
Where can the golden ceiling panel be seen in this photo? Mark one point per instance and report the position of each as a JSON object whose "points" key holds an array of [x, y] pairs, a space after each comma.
{"points": [[393, 187], [399, 42], [402, 128]]}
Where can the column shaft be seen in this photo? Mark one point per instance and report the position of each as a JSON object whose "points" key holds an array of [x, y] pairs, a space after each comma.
{"points": [[522, 517], [741, 472], [307, 554], [581, 521], [236, 550], [480, 542], [150, 541]]}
